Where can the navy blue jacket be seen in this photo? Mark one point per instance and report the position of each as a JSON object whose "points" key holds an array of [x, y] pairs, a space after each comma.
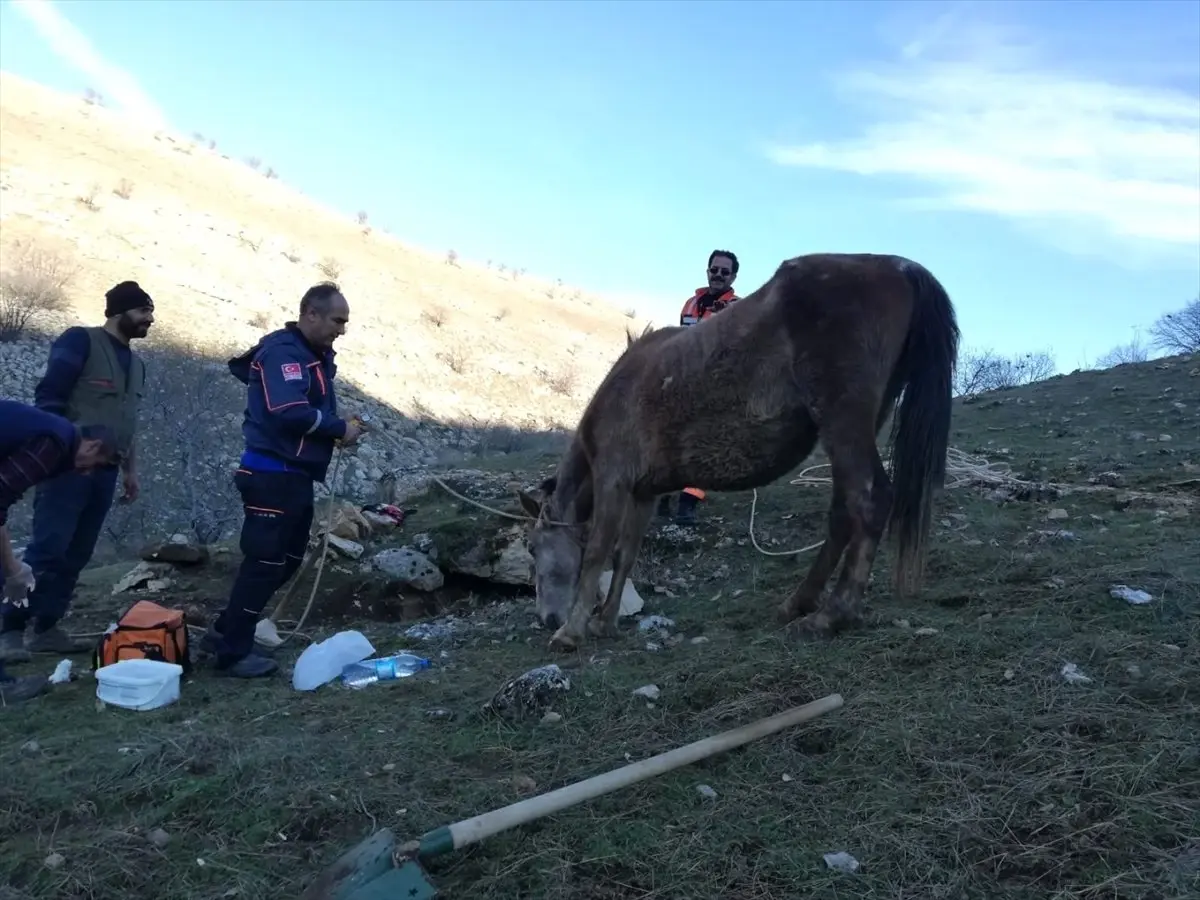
{"points": [[291, 408], [34, 446], [21, 423]]}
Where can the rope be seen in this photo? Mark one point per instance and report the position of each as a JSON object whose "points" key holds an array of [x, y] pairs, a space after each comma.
{"points": [[961, 470], [300, 573], [274, 617]]}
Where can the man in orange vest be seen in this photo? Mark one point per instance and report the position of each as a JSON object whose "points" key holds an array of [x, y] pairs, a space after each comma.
{"points": [[705, 302]]}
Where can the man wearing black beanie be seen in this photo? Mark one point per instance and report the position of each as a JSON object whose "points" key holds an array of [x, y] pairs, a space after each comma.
{"points": [[93, 378]]}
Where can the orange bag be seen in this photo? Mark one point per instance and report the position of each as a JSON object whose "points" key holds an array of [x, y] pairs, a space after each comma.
{"points": [[146, 631]]}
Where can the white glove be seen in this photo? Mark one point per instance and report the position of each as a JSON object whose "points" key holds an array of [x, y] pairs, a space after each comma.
{"points": [[18, 587]]}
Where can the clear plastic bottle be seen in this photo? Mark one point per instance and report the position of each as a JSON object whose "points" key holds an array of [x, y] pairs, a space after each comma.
{"points": [[385, 668]]}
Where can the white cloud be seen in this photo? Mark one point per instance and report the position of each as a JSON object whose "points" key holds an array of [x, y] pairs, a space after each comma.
{"points": [[989, 129], [71, 46]]}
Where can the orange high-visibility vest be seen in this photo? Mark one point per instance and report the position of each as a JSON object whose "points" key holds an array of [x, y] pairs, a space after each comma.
{"points": [[691, 315]]}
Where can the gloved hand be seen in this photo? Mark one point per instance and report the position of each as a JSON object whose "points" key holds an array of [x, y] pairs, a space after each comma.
{"points": [[18, 587]]}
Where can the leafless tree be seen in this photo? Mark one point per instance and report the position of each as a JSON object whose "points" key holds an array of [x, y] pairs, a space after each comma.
{"points": [[985, 370], [1178, 332]]}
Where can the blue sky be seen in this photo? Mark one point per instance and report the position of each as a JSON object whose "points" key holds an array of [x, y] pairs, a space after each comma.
{"points": [[1043, 159]]}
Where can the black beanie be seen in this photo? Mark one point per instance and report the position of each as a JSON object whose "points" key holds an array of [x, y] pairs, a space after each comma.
{"points": [[125, 296]]}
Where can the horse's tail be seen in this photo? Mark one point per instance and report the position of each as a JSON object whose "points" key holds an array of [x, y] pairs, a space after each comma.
{"points": [[921, 430]]}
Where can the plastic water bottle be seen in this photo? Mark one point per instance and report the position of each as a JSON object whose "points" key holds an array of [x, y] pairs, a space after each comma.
{"points": [[386, 668]]}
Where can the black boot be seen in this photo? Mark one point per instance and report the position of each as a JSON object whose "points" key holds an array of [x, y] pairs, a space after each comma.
{"points": [[685, 514], [664, 506]]}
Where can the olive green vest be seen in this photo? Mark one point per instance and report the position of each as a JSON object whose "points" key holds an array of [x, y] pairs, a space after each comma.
{"points": [[103, 395]]}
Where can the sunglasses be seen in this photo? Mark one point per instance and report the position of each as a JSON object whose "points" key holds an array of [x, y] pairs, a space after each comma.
{"points": [[719, 270]]}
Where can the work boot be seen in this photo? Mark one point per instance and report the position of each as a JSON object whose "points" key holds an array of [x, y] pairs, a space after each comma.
{"points": [[55, 640], [12, 646], [16, 690], [685, 514], [210, 643], [250, 666]]}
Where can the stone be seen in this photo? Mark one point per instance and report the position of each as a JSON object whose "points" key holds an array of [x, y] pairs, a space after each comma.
{"points": [[410, 567]]}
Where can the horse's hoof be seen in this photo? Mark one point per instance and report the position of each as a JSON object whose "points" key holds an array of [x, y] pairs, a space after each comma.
{"points": [[564, 640], [601, 629], [785, 614], [812, 626]]}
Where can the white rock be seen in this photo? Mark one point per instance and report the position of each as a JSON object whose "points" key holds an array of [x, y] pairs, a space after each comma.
{"points": [[410, 567], [346, 547], [649, 691]]}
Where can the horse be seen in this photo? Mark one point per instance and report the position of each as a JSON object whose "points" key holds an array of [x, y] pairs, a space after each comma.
{"points": [[826, 349]]}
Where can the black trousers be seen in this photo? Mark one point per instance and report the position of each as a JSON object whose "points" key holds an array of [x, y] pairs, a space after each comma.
{"points": [[278, 513]]}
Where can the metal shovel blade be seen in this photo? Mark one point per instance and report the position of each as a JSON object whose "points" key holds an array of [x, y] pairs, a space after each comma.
{"points": [[406, 882]]}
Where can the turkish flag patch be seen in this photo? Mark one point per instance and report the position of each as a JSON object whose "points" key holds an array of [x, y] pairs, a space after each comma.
{"points": [[293, 372]]}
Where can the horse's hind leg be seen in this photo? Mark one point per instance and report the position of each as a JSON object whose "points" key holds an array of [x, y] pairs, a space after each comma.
{"points": [[633, 529], [608, 514], [807, 596], [868, 496]]}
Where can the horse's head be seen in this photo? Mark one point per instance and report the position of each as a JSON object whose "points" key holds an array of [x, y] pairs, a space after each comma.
{"points": [[557, 553]]}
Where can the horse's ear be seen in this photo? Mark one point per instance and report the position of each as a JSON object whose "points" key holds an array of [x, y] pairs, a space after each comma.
{"points": [[531, 505]]}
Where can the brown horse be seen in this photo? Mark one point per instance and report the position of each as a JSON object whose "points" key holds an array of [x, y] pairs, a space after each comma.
{"points": [[824, 349]]}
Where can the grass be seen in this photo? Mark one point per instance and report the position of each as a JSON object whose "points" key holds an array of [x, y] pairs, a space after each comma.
{"points": [[963, 764]]}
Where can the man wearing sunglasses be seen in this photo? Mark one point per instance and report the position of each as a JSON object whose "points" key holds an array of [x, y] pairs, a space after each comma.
{"points": [[705, 302]]}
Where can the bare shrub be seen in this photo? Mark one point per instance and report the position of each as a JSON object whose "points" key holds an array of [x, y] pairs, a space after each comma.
{"points": [[455, 357], [124, 189], [563, 381], [1133, 352], [502, 313], [212, 145], [254, 162], [35, 280], [361, 218], [631, 313], [984, 370], [270, 173], [1178, 332], [92, 97], [330, 267], [452, 258], [291, 256], [435, 315], [88, 198], [261, 319], [246, 241]]}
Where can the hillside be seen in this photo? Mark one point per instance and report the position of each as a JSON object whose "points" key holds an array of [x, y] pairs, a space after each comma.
{"points": [[226, 251], [970, 760]]}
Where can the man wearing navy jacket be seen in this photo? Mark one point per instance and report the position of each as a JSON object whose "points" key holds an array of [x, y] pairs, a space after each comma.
{"points": [[290, 427], [36, 446]]}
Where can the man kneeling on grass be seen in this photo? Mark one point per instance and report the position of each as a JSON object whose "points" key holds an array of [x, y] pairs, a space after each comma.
{"points": [[35, 446]]}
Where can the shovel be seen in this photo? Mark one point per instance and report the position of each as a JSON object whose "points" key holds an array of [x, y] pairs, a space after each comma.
{"points": [[378, 869]]}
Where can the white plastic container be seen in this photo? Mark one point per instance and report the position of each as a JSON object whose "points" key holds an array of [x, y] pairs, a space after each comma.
{"points": [[138, 683], [321, 663]]}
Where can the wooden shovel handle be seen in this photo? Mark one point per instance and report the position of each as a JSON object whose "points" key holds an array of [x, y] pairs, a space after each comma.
{"points": [[470, 831]]}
